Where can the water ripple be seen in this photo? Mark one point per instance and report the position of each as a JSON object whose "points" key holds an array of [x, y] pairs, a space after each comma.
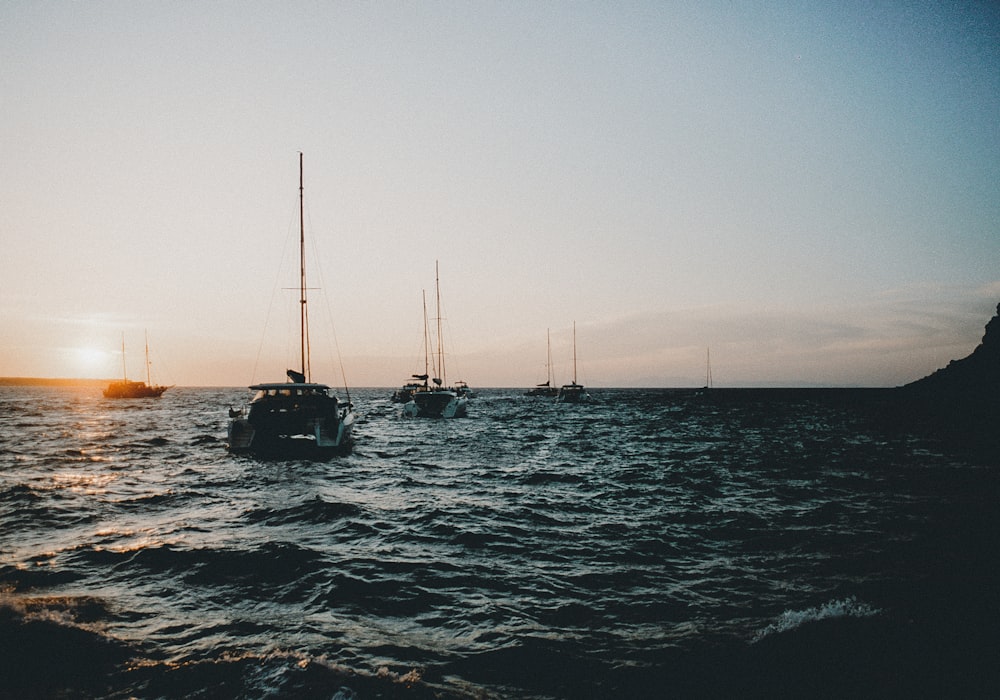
{"points": [[529, 550]]}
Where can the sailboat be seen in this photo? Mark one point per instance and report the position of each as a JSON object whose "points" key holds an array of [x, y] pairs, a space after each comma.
{"points": [[437, 399], [417, 382], [572, 393], [295, 418], [548, 388], [708, 369], [126, 389]]}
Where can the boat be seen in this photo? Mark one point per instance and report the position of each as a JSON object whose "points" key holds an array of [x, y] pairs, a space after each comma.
{"points": [[128, 389], [548, 388], [707, 389], [297, 418], [417, 382], [708, 369], [405, 393], [436, 399], [573, 393]]}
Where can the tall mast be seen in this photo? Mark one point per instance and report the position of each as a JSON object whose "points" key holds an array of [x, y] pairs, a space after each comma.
{"points": [[574, 353], [124, 366], [549, 380], [708, 368], [302, 278], [148, 382], [423, 294], [437, 286]]}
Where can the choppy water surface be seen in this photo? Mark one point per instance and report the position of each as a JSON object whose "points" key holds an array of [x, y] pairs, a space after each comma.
{"points": [[653, 543]]}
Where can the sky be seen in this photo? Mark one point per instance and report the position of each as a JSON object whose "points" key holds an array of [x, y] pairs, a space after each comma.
{"points": [[811, 191]]}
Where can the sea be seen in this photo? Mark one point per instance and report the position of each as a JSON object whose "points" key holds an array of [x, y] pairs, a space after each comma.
{"points": [[649, 544]]}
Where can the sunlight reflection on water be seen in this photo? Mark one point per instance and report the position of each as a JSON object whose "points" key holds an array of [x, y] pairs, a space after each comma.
{"points": [[613, 533]]}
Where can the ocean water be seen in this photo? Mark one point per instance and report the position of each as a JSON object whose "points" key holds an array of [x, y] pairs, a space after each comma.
{"points": [[654, 543]]}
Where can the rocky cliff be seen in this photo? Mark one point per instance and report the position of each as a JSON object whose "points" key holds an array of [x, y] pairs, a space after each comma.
{"points": [[960, 403], [976, 376]]}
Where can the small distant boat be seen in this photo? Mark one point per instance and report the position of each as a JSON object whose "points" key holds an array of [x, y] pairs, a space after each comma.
{"points": [[548, 388], [405, 393], [296, 418], [573, 393], [708, 369], [417, 382], [127, 389], [436, 399], [707, 389]]}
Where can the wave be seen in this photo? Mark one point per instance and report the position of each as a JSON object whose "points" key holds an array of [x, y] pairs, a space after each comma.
{"points": [[54, 647], [48, 652], [315, 511], [642, 546], [793, 619]]}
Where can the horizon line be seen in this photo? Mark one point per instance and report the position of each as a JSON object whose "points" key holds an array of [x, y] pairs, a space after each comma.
{"points": [[89, 381]]}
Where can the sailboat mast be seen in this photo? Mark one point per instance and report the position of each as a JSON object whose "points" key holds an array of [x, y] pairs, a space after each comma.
{"points": [[708, 367], [549, 379], [124, 366], [302, 277], [148, 382], [437, 286], [574, 352], [427, 370]]}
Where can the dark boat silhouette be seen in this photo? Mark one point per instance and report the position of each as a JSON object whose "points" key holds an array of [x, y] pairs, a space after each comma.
{"points": [[573, 393], [435, 399], [547, 388], [128, 389], [297, 418]]}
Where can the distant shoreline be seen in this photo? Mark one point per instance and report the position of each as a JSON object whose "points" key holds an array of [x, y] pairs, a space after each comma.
{"points": [[43, 381]]}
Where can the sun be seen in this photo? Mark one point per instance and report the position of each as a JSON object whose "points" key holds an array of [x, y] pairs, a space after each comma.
{"points": [[91, 362]]}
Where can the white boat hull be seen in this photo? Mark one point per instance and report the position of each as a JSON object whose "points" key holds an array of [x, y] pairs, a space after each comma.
{"points": [[436, 404]]}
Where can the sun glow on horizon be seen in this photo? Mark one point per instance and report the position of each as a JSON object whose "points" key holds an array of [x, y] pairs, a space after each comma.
{"points": [[90, 363]]}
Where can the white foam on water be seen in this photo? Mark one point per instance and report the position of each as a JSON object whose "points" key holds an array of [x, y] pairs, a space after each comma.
{"points": [[792, 619]]}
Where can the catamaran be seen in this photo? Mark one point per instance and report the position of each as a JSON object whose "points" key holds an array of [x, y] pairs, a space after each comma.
{"points": [[295, 418], [548, 388], [573, 393], [417, 382], [437, 399]]}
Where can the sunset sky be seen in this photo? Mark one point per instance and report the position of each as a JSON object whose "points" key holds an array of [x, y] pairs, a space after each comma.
{"points": [[811, 190]]}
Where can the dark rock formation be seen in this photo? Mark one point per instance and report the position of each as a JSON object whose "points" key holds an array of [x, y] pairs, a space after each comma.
{"points": [[978, 374], [961, 402]]}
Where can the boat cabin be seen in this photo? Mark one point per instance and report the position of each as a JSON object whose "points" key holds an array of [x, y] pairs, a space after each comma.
{"points": [[287, 390]]}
